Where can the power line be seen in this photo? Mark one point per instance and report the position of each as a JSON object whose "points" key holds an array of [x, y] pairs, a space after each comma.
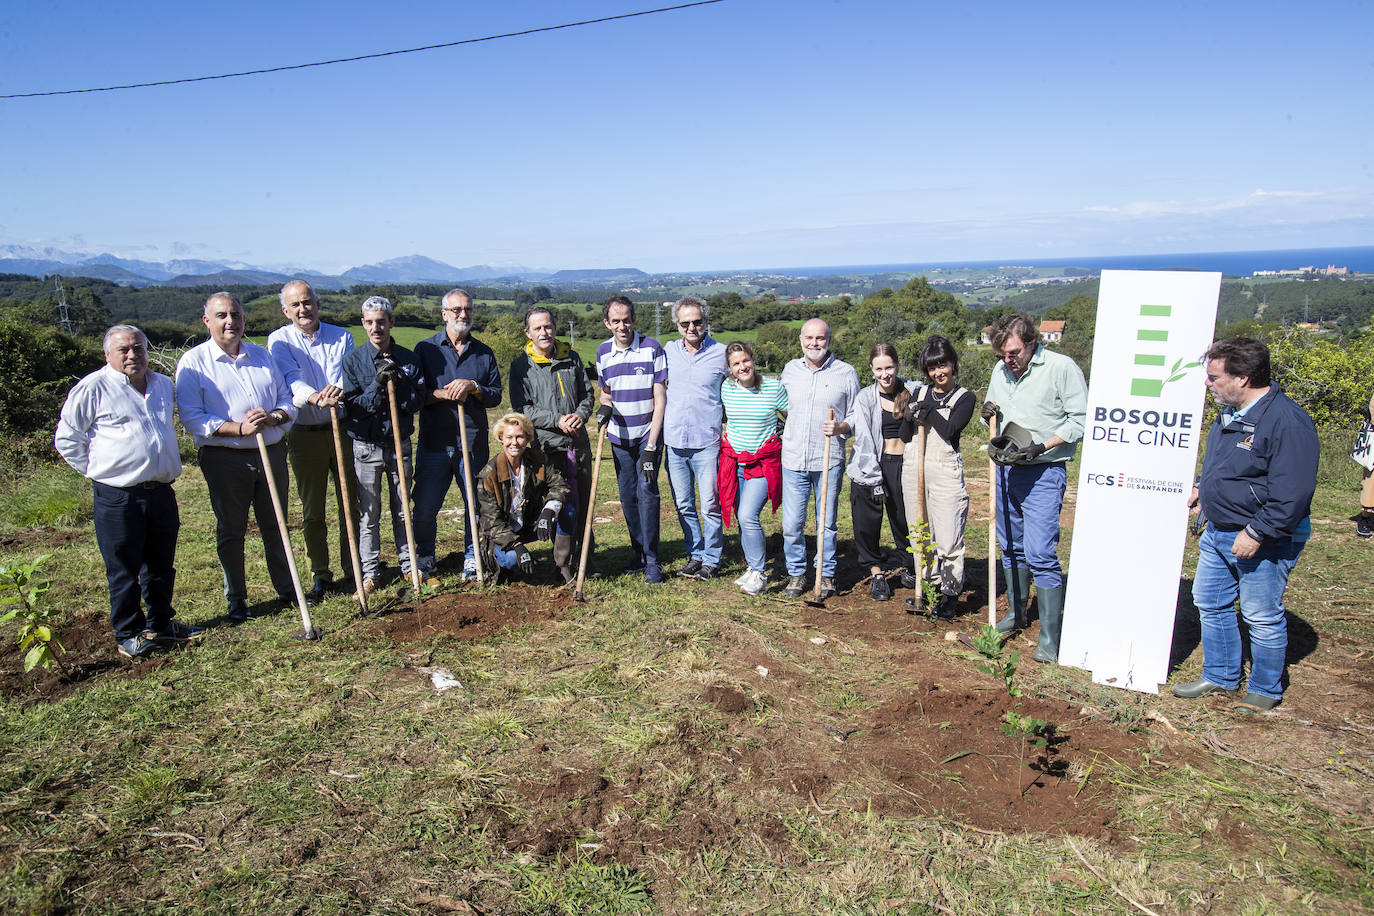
{"points": [[349, 60]]}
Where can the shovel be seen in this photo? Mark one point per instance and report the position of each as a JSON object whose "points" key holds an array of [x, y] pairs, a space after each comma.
{"points": [[992, 526], [472, 500], [919, 557], [405, 486], [591, 513], [816, 600], [311, 631], [348, 511]]}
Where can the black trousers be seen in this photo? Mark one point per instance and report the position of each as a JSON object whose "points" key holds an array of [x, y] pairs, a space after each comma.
{"points": [[867, 513], [136, 530]]}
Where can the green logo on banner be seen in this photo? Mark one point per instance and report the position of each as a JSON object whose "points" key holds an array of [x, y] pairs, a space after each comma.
{"points": [[1153, 340]]}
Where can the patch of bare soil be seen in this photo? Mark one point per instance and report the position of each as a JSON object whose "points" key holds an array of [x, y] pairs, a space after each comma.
{"points": [[25, 540], [581, 804], [472, 614], [88, 650], [938, 747], [1321, 738]]}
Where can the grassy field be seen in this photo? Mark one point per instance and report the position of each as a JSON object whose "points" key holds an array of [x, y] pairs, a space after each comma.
{"points": [[681, 749]]}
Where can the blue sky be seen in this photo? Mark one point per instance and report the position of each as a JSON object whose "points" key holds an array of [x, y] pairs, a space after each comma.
{"points": [[743, 134]]}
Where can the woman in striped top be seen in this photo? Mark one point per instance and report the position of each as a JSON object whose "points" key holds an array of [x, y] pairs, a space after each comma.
{"points": [[750, 469]]}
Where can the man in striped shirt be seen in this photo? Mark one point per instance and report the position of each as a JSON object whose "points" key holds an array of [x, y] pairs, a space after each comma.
{"points": [[633, 371]]}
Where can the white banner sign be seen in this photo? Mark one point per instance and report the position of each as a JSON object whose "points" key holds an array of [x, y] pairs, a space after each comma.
{"points": [[1139, 455]]}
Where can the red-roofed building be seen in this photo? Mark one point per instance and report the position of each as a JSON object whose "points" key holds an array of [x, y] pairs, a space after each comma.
{"points": [[1051, 331]]}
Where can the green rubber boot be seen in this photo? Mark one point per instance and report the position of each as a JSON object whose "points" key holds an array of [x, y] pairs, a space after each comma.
{"points": [[1051, 604], [1018, 594]]}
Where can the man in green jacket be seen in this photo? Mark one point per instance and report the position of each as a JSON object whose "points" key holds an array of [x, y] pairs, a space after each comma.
{"points": [[549, 384]]}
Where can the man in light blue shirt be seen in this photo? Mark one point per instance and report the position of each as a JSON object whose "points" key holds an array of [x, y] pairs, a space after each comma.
{"points": [[116, 428], [310, 355], [1044, 393], [816, 384], [691, 431], [229, 392]]}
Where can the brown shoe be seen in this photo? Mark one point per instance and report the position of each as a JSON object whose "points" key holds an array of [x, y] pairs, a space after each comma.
{"points": [[370, 586]]}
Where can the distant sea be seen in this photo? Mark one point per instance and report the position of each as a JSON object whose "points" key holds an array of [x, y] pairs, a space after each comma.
{"points": [[1239, 263]]}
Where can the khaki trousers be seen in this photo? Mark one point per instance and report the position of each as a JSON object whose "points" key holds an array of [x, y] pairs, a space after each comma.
{"points": [[313, 463]]}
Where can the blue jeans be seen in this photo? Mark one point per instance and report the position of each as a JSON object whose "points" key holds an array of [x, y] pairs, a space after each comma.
{"points": [[753, 493], [1259, 582], [690, 469], [1029, 500], [435, 469], [639, 501], [798, 488], [567, 519]]}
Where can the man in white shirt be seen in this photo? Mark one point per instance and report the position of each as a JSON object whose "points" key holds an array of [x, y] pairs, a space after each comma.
{"points": [[116, 428], [229, 392], [310, 355]]}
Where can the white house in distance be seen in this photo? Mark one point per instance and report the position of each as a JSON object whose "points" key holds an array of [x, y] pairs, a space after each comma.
{"points": [[1050, 332]]}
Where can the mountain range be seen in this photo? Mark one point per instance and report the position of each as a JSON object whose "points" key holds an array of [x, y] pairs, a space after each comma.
{"points": [[42, 262]]}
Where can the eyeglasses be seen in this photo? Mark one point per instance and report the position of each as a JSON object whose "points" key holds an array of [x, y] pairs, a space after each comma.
{"points": [[700, 322]]}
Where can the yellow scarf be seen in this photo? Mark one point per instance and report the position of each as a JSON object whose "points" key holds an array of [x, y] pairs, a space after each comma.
{"points": [[560, 350]]}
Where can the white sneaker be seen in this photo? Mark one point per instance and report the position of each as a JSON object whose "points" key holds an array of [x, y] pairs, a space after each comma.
{"points": [[742, 579], [469, 569], [755, 583]]}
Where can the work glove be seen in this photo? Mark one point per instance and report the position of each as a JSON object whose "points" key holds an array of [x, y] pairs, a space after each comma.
{"points": [[1029, 453], [989, 410], [387, 371], [917, 412], [1198, 524], [648, 467], [523, 561], [548, 520], [603, 415]]}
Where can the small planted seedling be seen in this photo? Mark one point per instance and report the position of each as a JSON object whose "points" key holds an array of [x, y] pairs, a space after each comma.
{"points": [[21, 591], [1000, 663], [1028, 731], [922, 544]]}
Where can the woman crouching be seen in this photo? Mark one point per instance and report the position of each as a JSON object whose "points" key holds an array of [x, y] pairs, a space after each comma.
{"points": [[521, 498]]}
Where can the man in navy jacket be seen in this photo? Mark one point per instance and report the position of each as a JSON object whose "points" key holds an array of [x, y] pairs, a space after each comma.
{"points": [[1258, 477], [366, 371]]}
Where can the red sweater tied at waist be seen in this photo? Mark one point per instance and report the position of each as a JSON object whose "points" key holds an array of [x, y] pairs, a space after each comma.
{"points": [[766, 462]]}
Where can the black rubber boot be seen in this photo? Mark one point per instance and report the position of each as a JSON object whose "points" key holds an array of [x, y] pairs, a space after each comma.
{"points": [[1051, 604], [1018, 595]]}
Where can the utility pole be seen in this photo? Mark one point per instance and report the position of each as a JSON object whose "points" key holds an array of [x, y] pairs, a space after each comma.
{"points": [[572, 334], [1306, 302], [64, 319]]}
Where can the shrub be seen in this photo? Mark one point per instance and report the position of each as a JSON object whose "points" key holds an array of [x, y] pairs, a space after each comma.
{"points": [[1330, 379], [37, 366]]}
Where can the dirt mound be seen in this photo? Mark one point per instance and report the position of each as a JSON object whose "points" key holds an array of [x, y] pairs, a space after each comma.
{"points": [[28, 539], [583, 809], [472, 614], [947, 751], [88, 650]]}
